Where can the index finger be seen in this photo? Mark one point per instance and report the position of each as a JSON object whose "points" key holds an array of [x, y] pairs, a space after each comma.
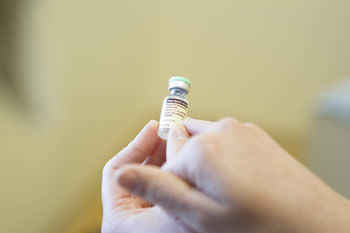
{"points": [[136, 152], [139, 149], [195, 126]]}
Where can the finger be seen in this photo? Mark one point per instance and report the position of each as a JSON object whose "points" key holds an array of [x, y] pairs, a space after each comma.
{"points": [[158, 156], [178, 136], [169, 192], [195, 126], [196, 162], [140, 148], [136, 152]]}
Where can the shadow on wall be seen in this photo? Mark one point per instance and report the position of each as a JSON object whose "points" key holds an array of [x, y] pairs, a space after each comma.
{"points": [[329, 145], [9, 17], [22, 72]]}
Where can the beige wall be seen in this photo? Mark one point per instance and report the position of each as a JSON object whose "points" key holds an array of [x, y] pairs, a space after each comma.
{"points": [[96, 72]]}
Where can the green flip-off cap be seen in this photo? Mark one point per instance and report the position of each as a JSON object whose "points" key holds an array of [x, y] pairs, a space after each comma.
{"points": [[179, 81]]}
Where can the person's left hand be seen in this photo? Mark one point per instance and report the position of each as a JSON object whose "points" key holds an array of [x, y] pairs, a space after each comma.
{"points": [[123, 212]]}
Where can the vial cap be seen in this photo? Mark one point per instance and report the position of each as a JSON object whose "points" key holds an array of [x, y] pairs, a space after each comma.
{"points": [[179, 82]]}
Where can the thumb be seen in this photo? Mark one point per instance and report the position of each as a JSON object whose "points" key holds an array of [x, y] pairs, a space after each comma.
{"points": [[178, 136], [168, 191]]}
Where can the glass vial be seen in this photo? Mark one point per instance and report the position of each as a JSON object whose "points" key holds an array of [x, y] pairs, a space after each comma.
{"points": [[175, 105]]}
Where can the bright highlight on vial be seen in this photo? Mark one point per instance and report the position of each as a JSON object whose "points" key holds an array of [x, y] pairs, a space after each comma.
{"points": [[175, 105]]}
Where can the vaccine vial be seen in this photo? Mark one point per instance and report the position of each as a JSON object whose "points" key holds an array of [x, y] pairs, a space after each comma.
{"points": [[175, 106]]}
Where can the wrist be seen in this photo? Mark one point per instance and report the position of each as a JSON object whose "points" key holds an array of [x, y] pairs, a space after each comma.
{"points": [[326, 215], [337, 219], [322, 211]]}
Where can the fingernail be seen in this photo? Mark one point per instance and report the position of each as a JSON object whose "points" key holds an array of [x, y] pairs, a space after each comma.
{"points": [[150, 124], [153, 122], [129, 180]]}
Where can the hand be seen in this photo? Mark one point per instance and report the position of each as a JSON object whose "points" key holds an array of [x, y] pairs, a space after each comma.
{"points": [[124, 212], [232, 177]]}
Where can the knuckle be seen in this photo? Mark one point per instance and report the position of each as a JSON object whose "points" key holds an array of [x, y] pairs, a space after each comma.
{"points": [[204, 145], [198, 141], [228, 122], [251, 125], [254, 127]]}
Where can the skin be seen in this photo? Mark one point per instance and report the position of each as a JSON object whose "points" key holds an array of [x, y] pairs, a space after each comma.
{"points": [[223, 176]]}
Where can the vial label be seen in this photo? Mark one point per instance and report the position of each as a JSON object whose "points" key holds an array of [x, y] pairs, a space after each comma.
{"points": [[174, 111]]}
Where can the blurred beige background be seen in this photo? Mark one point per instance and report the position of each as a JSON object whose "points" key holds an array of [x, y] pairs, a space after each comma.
{"points": [[94, 72]]}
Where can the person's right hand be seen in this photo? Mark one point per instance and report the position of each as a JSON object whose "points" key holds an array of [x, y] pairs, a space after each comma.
{"points": [[233, 177]]}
